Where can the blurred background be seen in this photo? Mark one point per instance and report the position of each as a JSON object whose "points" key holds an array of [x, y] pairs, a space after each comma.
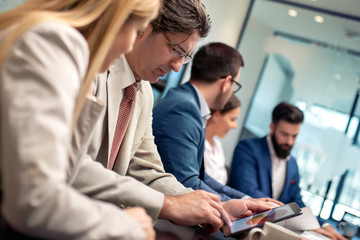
{"points": [[306, 52]]}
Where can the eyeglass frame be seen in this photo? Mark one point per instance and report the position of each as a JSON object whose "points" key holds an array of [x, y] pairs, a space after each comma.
{"points": [[178, 50], [236, 83]]}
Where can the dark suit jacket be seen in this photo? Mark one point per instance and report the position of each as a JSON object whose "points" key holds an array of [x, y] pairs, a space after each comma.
{"points": [[180, 139], [251, 172]]}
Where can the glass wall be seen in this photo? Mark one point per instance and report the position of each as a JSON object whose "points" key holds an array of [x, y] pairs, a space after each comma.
{"points": [[8, 4], [305, 63]]}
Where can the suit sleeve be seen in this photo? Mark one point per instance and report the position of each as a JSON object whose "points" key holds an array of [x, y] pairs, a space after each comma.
{"points": [[177, 136], [40, 79], [146, 165], [244, 172], [223, 189]]}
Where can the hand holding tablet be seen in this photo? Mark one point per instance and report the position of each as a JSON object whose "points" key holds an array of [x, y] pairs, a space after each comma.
{"points": [[274, 215]]}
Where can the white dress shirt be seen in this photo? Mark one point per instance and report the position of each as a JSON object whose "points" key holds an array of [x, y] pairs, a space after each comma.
{"points": [[278, 166], [204, 107], [215, 161]]}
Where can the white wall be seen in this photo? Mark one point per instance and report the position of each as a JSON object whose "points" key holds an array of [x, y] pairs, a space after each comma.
{"points": [[227, 18], [273, 81], [254, 57]]}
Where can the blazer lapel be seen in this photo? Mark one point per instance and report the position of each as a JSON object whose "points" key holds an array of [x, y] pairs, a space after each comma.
{"points": [[288, 179], [119, 78], [266, 157], [113, 103]]}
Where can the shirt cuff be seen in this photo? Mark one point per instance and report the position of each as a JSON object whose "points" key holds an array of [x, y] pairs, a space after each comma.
{"points": [[246, 197], [324, 225]]}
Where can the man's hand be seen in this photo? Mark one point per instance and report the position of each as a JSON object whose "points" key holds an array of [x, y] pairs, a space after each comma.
{"points": [[198, 207], [240, 208], [139, 214], [330, 232], [267, 201]]}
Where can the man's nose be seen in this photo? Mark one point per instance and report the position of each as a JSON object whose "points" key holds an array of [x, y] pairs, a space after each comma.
{"points": [[290, 140], [176, 63]]}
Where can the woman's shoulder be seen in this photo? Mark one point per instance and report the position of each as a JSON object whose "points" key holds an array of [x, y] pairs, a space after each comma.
{"points": [[57, 32], [47, 36], [51, 50]]}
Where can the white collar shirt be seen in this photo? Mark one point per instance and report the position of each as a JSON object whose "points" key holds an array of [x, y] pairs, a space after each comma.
{"points": [[278, 169], [204, 108]]}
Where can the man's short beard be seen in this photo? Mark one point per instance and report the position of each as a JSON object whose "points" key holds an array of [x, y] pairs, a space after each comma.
{"points": [[280, 152]]}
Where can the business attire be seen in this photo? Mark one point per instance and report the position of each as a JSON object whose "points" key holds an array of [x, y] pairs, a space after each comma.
{"points": [[137, 156], [251, 172], [179, 130], [49, 190], [214, 159]]}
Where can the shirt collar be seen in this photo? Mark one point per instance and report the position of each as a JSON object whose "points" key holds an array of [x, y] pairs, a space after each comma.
{"points": [[122, 68], [204, 108], [272, 150]]}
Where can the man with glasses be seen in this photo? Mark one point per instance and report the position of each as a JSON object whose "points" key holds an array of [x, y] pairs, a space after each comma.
{"points": [[165, 45], [180, 118]]}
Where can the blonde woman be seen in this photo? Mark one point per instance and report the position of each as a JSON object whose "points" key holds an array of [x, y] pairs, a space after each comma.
{"points": [[50, 52]]}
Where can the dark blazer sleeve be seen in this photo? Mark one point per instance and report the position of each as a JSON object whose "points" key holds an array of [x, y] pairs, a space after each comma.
{"points": [[247, 173], [179, 135], [223, 189]]}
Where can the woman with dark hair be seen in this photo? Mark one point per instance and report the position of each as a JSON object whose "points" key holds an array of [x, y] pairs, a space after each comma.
{"points": [[218, 125]]}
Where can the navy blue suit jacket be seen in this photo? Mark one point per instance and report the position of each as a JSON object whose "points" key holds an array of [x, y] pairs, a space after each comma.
{"points": [[251, 172], [180, 139]]}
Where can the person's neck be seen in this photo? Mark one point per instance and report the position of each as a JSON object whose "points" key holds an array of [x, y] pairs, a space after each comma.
{"points": [[130, 60], [210, 134], [206, 91]]}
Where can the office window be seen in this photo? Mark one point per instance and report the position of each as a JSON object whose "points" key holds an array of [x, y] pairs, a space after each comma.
{"points": [[319, 75]]}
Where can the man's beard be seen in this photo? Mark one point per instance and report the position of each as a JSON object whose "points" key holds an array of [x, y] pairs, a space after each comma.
{"points": [[280, 152]]}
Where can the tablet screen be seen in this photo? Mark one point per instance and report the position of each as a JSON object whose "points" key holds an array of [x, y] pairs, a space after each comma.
{"points": [[273, 215]]}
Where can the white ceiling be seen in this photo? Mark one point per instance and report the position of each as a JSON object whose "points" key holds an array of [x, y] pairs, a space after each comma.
{"points": [[348, 7], [332, 31]]}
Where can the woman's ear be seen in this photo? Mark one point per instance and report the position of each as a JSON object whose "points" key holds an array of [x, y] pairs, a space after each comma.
{"points": [[215, 116]]}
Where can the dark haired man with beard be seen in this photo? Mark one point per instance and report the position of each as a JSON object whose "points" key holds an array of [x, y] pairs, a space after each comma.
{"points": [[263, 167]]}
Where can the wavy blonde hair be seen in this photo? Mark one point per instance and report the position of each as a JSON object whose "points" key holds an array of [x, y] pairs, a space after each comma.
{"points": [[98, 20]]}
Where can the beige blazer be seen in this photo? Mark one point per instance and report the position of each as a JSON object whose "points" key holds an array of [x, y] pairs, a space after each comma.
{"points": [[138, 156], [48, 189]]}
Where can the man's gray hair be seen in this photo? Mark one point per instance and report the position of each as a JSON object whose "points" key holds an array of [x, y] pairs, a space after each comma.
{"points": [[182, 16]]}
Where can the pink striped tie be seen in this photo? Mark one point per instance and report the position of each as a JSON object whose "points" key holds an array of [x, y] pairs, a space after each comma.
{"points": [[124, 115]]}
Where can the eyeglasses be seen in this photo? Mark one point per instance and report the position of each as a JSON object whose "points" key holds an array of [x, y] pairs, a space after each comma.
{"points": [[237, 86], [177, 50]]}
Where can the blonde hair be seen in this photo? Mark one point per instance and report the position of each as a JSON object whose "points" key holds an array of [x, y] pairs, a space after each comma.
{"points": [[98, 20]]}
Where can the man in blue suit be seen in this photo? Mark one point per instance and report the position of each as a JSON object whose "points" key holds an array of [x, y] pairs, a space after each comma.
{"points": [[263, 167], [180, 118]]}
